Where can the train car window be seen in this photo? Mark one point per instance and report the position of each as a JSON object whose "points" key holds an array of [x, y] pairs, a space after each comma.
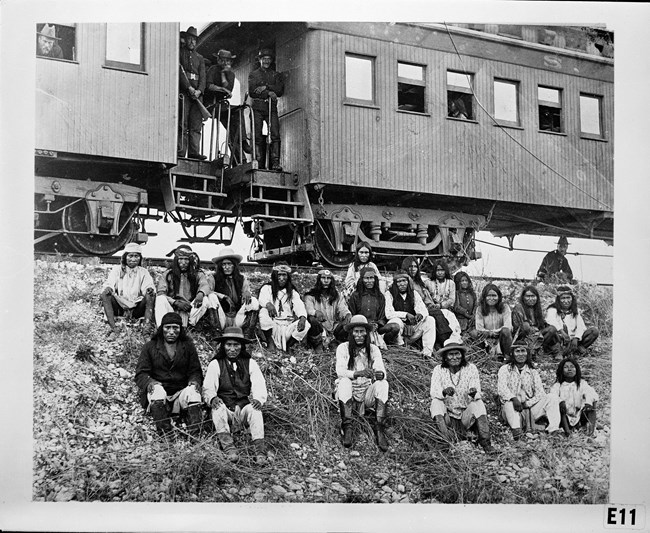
{"points": [[550, 109], [590, 115], [410, 87], [510, 30], [460, 100], [56, 41], [506, 102], [125, 46], [360, 78]]}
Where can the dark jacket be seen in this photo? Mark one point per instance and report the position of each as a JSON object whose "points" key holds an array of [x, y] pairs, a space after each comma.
{"points": [[553, 263], [234, 386], [155, 365], [370, 306], [214, 77], [194, 67], [258, 78]]}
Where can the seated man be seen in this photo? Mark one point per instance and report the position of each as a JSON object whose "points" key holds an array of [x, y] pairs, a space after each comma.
{"points": [[404, 303], [237, 305], [360, 376], [326, 311], [129, 290], [235, 390], [555, 265], [577, 398], [456, 395], [368, 300], [520, 387], [529, 324], [169, 374], [184, 288], [283, 317]]}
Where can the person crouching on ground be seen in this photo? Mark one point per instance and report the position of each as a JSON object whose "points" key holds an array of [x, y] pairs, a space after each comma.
{"points": [[129, 290], [235, 390], [529, 324], [493, 320], [520, 387], [361, 377], [326, 311], [169, 375], [577, 398], [456, 395], [406, 304], [283, 317]]}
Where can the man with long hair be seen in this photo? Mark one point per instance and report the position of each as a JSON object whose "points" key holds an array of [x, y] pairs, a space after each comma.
{"points": [[235, 390], [529, 324], [361, 377], [577, 398], [129, 290], [169, 376], [283, 317], [493, 320], [184, 288], [326, 311]]}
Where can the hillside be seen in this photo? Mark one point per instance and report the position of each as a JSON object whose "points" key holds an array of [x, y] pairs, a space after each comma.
{"points": [[92, 441]]}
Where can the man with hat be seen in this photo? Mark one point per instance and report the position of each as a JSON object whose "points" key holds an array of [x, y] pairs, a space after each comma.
{"points": [[456, 395], [522, 393], [556, 264], [169, 376], [327, 311], [46, 45], [265, 86], [237, 305], [235, 391], [361, 377], [192, 85], [283, 317], [184, 288], [406, 304], [129, 290]]}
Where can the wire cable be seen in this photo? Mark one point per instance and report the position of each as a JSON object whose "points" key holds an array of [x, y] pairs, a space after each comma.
{"points": [[538, 251]]}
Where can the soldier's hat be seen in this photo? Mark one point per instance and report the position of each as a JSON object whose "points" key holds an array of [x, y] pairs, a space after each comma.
{"points": [[224, 54], [563, 241], [49, 32], [264, 52], [191, 31]]}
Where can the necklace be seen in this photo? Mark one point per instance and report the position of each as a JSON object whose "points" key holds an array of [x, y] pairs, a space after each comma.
{"points": [[451, 377]]}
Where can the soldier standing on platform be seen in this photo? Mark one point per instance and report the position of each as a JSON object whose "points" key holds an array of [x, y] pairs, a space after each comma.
{"points": [[192, 85]]}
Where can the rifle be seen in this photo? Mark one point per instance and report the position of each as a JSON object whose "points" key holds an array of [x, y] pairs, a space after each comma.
{"points": [[205, 114]]}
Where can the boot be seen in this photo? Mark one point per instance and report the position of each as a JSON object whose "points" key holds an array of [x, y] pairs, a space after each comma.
{"points": [[564, 424], [228, 447], [250, 325], [291, 342], [442, 427], [270, 343], [260, 451], [259, 154], [484, 434], [380, 413], [158, 410], [517, 433], [194, 419], [213, 317], [316, 343], [149, 324], [108, 309], [591, 422], [275, 156], [346, 422]]}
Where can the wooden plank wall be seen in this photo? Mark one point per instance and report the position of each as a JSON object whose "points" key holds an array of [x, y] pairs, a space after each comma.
{"points": [[82, 107], [382, 148]]}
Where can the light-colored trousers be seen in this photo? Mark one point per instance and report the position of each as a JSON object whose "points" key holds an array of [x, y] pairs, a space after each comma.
{"points": [[246, 416], [548, 405], [163, 307], [283, 330], [426, 329], [181, 399], [469, 415], [238, 320], [376, 391]]}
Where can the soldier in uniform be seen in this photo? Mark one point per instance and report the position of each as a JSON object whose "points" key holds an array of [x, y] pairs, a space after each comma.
{"points": [[264, 83], [192, 85], [555, 263]]}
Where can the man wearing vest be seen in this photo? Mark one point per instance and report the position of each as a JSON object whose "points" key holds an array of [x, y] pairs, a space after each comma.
{"points": [[235, 390]]}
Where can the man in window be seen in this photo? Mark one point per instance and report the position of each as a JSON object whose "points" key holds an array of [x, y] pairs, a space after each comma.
{"points": [[265, 86], [192, 86], [555, 263], [46, 45]]}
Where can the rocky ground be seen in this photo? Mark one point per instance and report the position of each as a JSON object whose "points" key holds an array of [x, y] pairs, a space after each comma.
{"points": [[93, 442]]}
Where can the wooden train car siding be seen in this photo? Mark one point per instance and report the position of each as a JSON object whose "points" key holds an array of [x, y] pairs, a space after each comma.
{"points": [[83, 107], [379, 147]]}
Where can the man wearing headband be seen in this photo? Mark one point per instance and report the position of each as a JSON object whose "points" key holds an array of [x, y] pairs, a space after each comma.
{"points": [[326, 311], [169, 377], [184, 288], [283, 317]]}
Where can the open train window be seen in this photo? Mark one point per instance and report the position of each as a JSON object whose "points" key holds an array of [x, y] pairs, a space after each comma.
{"points": [[550, 109], [591, 116], [510, 30], [125, 46], [460, 101], [56, 41], [410, 87], [506, 102], [359, 79]]}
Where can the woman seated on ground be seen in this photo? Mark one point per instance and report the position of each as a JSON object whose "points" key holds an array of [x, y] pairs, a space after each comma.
{"points": [[520, 387], [456, 395], [529, 325], [363, 257], [443, 287], [577, 398], [465, 305], [563, 314], [493, 320]]}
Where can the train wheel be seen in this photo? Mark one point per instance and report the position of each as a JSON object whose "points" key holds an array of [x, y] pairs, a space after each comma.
{"points": [[77, 219], [323, 242]]}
